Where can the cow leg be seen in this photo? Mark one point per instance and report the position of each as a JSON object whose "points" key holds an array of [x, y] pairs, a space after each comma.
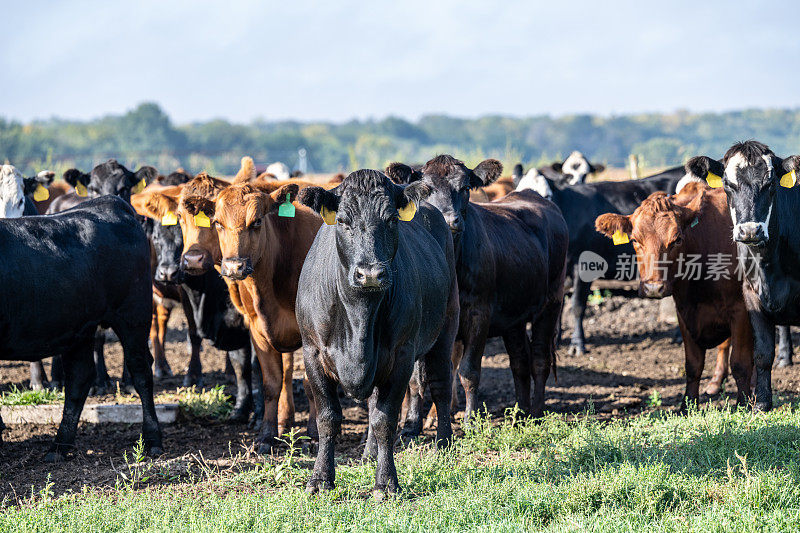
{"points": [[286, 399], [56, 373], [543, 352], [313, 434], [457, 354], [580, 293], [138, 361], [763, 356], [416, 396], [470, 369], [38, 375], [785, 348], [2, 428], [436, 373], [161, 368], [240, 361], [258, 395], [329, 424], [271, 363], [384, 411], [694, 360], [519, 356], [742, 358], [79, 374], [102, 381], [720, 370], [194, 371]]}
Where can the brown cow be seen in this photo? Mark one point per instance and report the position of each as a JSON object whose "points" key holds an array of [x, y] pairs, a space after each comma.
{"points": [[695, 222], [493, 192], [54, 190]]}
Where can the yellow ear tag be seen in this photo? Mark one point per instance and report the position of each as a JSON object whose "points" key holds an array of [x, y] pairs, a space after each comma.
{"points": [[202, 220], [139, 187], [80, 189], [407, 213], [169, 219], [620, 237], [328, 216], [789, 179], [714, 181], [41, 193]]}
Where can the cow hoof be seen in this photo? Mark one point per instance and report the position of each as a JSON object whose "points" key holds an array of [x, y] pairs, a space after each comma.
{"points": [[54, 456], [197, 381], [37, 385], [762, 407], [316, 485], [239, 414], [576, 349], [55, 385], [155, 451], [99, 389], [161, 372], [390, 491], [783, 363], [265, 448], [309, 448], [713, 389]]}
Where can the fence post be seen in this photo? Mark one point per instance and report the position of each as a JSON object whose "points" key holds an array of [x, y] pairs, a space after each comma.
{"points": [[634, 164]]}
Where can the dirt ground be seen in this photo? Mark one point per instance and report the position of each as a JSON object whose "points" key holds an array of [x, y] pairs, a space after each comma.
{"points": [[631, 355]]}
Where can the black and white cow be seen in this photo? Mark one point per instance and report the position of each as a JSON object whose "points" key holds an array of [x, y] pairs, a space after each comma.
{"points": [[573, 171], [764, 202], [98, 258], [377, 292], [16, 191]]}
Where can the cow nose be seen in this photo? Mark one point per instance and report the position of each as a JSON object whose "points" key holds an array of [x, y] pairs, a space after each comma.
{"points": [[749, 233], [167, 274], [236, 268], [455, 222], [193, 261], [370, 276], [653, 290]]}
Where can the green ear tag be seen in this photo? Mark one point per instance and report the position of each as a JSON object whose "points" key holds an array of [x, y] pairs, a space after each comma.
{"points": [[286, 209], [695, 222]]}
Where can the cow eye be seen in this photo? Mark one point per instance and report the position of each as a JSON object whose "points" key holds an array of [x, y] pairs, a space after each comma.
{"points": [[677, 242], [256, 223]]}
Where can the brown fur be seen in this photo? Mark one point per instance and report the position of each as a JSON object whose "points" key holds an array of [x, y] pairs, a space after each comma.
{"points": [[247, 172], [498, 189], [56, 189]]}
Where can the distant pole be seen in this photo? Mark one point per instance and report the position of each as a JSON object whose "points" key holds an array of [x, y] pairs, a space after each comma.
{"points": [[634, 164], [302, 160]]}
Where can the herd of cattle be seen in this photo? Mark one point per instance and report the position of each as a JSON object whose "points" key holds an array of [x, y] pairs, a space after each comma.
{"points": [[391, 282]]}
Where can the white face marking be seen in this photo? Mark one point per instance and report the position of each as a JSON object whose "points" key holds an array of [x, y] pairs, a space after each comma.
{"points": [[279, 170], [575, 168], [687, 178], [736, 162], [12, 197], [536, 182]]}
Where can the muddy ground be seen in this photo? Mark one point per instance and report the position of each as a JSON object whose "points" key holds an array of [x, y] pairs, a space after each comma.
{"points": [[631, 355]]}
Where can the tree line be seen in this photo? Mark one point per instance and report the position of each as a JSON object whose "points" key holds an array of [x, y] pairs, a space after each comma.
{"points": [[146, 135]]}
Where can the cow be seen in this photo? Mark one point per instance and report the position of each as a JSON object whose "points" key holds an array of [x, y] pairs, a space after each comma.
{"points": [[573, 171], [98, 256], [666, 231], [377, 292], [263, 240], [581, 205], [510, 257], [204, 297], [17, 191], [763, 200]]}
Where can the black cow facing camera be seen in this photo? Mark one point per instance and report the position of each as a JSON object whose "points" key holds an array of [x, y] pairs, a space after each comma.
{"points": [[376, 294], [98, 256]]}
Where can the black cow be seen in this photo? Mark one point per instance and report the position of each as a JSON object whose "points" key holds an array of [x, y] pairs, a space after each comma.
{"points": [[205, 298], [510, 257], [107, 178], [377, 292], [573, 171], [764, 202], [101, 269]]}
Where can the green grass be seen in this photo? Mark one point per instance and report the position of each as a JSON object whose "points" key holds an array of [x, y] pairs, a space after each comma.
{"points": [[31, 397], [712, 470], [210, 403]]}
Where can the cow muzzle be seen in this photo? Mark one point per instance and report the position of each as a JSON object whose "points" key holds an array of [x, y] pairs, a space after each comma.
{"points": [[751, 233], [168, 274], [194, 262], [653, 290], [370, 277], [236, 268]]}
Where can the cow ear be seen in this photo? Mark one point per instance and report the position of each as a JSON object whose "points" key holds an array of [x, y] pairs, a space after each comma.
{"points": [[706, 169], [611, 223], [29, 186], [326, 203], [401, 173], [557, 167], [791, 171], [45, 177], [74, 176], [247, 171], [146, 173], [284, 195], [156, 205], [595, 169], [486, 173]]}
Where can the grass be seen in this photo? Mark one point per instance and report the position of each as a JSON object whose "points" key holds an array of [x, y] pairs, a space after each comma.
{"points": [[712, 470], [210, 403], [18, 396]]}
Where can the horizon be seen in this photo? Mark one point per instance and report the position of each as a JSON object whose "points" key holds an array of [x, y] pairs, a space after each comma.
{"points": [[245, 62]]}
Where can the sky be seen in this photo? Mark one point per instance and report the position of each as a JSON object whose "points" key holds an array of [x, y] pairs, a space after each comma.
{"points": [[335, 61]]}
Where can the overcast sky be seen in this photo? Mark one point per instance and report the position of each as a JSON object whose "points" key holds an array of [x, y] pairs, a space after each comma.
{"points": [[348, 59]]}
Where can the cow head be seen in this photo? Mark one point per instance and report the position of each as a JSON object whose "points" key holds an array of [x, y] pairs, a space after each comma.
{"points": [[161, 204], [110, 178], [576, 168], [450, 182], [200, 242], [12, 192], [656, 230], [367, 210], [246, 232], [43, 179], [751, 175], [535, 181]]}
